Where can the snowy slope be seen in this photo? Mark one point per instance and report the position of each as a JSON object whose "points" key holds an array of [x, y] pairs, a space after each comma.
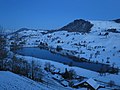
{"points": [[94, 46], [79, 71], [89, 43], [11, 81]]}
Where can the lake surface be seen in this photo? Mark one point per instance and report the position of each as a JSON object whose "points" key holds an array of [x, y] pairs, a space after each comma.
{"points": [[45, 54]]}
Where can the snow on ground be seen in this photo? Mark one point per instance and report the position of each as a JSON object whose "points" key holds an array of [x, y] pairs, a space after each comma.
{"points": [[92, 46], [79, 71], [103, 25], [11, 81], [87, 44]]}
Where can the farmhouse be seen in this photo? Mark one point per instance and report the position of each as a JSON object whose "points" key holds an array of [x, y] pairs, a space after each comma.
{"points": [[90, 84]]}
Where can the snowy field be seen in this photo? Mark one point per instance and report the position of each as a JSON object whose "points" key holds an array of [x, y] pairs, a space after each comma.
{"points": [[79, 71], [94, 45], [11, 81]]}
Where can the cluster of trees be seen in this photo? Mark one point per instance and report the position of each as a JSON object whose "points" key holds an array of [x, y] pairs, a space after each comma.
{"points": [[105, 69], [71, 74], [43, 45], [58, 48], [20, 66], [36, 73], [17, 42], [51, 68], [68, 74], [14, 64], [3, 49]]}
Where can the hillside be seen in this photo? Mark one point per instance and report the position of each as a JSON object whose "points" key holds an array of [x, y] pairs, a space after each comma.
{"points": [[101, 44], [79, 25], [11, 81], [95, 44]]}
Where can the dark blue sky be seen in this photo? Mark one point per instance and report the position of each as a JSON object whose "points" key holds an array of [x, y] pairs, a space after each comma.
{"points": [[51, 14]]}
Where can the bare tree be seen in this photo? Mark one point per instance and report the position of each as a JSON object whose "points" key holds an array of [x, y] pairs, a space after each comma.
{"points": [[37, 72], [32, 67]]}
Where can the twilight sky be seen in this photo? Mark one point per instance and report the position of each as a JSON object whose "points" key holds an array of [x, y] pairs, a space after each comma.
{"points": [[52, 14]]}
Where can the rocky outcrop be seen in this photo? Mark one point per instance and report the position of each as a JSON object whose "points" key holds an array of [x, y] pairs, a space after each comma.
{"points": [[79, 25]]}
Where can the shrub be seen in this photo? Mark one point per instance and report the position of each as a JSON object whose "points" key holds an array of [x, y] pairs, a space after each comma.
{"points": [[111, 83], [71, 74], [59, 48]]}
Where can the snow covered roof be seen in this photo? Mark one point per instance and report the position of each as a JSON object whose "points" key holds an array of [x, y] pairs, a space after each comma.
{"points": [[57, 77], [90, 81], [75, 84], [65, 83], [93, 83]]}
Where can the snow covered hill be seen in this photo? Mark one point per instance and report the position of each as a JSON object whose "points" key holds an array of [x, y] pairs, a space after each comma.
{"points": [[11, 81], [102, 80], [101, 44]]}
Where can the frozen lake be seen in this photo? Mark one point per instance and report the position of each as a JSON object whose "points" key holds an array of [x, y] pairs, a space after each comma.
{"points": [[45, 54]]}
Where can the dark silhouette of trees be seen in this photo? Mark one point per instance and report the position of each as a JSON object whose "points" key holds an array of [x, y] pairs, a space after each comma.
{"points": [[59, 48], [20, 66], [106, 34], [30, 70], [17, 42], [65, 75], [3, 50], [32, 67], [71, 74], [111, 83]]}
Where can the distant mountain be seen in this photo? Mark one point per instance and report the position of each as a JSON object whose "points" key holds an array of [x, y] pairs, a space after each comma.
{"points": [[25, 29], [117, 20], [78, 25]]}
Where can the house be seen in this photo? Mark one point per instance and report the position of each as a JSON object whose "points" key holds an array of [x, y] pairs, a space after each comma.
{"points": [[65, 83], [57, 77], [90, 84]]}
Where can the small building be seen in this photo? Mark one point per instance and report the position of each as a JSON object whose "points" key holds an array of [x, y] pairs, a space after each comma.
{"points": [[57, 77], [65, 83], [90, 84]]}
